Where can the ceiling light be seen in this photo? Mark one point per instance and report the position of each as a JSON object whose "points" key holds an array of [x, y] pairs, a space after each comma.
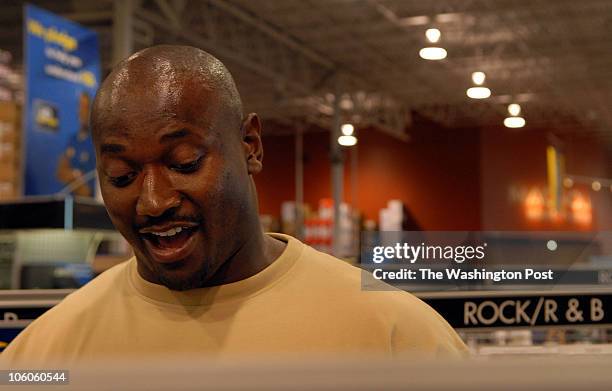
{"points": [[433, 35], [450, 17], [514, 122], [478, 78], [347, 129], [514, 109], [347, 141], [568, 182], [596, 185], [414, 20], [478, 92], [432, 52]]}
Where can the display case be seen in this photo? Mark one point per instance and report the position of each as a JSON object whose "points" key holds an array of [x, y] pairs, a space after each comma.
{"points": [[50, 246], [53, 242]]}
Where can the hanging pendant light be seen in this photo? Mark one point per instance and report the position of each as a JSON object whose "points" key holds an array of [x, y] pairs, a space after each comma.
{"points": [[433, 53], [478, 91], [514, 120]]}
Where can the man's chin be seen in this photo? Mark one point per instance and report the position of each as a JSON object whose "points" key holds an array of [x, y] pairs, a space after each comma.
{"points": [[178, 280]]}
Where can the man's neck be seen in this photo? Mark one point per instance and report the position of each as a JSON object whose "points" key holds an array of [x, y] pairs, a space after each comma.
{"points": [[255, 255]]}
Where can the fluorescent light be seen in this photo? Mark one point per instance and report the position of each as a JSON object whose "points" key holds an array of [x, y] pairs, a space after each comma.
{"points": [[433, 35], [478, 92], [347, 129], [478, 78], [449, 17], [514, 109], [432, 53], [514, 122], [347, 141], [414, 20]]}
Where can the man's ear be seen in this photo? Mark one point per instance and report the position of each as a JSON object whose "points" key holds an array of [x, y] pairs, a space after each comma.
{"points": [[251, 140]]}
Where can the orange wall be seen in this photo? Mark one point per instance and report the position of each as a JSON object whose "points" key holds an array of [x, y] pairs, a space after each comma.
{"points": [[511, 160], [436, 174], [275, 183], [449, 179]]}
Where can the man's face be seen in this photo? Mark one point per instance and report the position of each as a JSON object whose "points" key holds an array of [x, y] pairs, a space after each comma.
{"points": [[174, 179]]}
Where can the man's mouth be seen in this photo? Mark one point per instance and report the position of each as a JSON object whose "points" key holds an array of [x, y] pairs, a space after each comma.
{"points": [[170, 242]]}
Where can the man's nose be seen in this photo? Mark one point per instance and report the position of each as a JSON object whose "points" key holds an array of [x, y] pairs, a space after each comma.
{"points": [[157, 194]]}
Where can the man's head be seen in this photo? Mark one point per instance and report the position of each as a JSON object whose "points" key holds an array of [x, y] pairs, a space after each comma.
{"points": [[175, 159]]}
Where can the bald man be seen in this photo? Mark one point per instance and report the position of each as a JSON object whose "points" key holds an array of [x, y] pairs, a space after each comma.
{"points": [[175, 158]]}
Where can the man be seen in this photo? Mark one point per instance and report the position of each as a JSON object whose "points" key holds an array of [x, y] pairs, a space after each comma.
{"points": [[175, 159], [78, 160]]}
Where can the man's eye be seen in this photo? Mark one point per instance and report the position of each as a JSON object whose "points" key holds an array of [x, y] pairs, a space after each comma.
{"points": [[187, 168], [123, 180]]}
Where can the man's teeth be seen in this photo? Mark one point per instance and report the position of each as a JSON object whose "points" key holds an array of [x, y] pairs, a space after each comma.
{"points": [[170, 232]]}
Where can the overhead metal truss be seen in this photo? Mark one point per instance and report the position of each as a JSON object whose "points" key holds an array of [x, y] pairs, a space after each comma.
{"points": [[278, 75], [290, 56], [550, 55]]}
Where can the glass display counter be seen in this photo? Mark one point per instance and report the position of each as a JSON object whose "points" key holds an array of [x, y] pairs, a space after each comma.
{"points": [[53, 242]]}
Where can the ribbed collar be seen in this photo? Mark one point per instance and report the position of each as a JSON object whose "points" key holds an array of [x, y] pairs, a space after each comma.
{"points": [[242, 289]]}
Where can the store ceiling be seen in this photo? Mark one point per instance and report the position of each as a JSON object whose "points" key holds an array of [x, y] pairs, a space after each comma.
{"points": [[289, 56], [552, 56]]}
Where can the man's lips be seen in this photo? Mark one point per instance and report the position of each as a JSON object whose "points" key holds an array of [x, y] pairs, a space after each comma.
{"points": [[170, 242]]}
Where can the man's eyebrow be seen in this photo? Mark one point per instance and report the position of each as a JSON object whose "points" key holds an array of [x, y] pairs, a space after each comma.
{"points": [[174, 135], [112, 148]]}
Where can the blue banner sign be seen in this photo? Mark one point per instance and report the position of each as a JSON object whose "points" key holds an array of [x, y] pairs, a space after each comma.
{"points": [[63, 71]]}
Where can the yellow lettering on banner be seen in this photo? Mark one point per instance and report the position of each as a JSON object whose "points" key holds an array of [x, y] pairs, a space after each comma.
{"points": [[51, 34], [88, 78], [35, 28], [61, 38]]}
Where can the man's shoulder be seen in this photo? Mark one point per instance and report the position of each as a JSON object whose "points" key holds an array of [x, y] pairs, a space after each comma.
{"points": [[411, 322], [98, 290], [107, 282], [347, 279], [69, 320]]}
